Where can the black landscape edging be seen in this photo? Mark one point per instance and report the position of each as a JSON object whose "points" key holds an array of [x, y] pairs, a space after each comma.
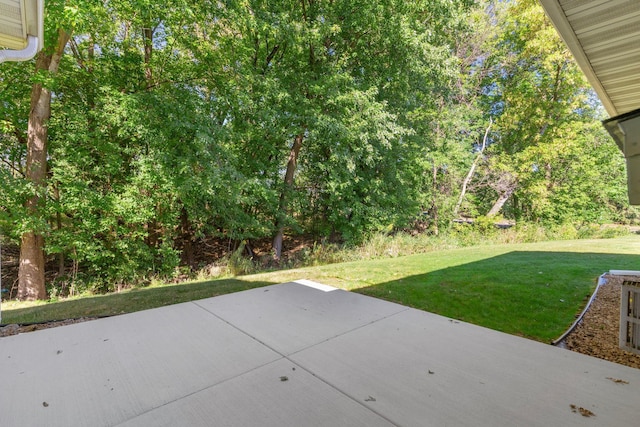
{"points": [[601, 281]]}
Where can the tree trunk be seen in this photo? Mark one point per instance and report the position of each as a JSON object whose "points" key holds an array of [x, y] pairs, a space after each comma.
{"points": [[467, 179], [497, 206], [31, 270], [31, 284], [292, 164], [61, 254], [434, 204], [152, 227], [187, 238], [147, 34], [502, 199]]}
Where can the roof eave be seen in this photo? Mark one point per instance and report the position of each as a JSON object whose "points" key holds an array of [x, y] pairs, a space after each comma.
{"points": [[557, 16]]}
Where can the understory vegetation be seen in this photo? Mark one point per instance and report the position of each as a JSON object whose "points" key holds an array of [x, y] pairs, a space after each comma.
{"points": [[528, 289], [307, 252], [399, 244]]}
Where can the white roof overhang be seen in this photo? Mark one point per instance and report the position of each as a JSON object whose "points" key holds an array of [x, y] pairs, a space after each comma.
{"points": [[604, 37]]}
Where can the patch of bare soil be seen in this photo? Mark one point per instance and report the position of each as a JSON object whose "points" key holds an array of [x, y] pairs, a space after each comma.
{"points": [[597, 334], [204, 251], [8, 330]]}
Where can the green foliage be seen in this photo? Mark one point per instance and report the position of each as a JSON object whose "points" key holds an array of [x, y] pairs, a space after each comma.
{"points": [[175, 121], [548, 146], [237, 264], [473, 284]]}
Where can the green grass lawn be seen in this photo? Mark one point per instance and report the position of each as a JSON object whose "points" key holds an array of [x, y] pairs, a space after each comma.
{"points": [[533, 290]]}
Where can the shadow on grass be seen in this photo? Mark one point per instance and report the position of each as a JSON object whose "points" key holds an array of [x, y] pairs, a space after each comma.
{"points": [[531, 294], [128, 301]]}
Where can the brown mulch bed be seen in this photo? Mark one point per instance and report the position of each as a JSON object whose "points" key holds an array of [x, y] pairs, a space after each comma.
{"points": [[597, 334]]}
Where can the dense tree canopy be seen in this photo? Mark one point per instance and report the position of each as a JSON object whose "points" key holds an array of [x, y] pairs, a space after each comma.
{"points": [[251, 119]]}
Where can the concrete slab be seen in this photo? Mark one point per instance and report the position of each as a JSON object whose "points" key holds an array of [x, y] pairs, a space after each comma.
{"points": [[104, 372], [261, 398], [290, 317], [420, 369], [357, 360]]}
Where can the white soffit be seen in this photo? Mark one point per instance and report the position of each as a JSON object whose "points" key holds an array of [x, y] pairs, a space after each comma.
{"points": [[13, 28], [604, 37]]}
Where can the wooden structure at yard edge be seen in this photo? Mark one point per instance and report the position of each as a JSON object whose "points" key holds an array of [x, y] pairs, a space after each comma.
{"points": [[630, 315]]}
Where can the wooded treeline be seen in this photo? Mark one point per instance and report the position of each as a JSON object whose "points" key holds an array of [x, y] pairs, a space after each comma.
{"points": [[144, 126]]}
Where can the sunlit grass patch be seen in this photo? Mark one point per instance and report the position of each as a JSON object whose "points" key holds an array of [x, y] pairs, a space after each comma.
{"points": [[533, 290]]}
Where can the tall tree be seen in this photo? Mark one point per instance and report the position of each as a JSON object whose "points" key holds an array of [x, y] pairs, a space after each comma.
{"points": [[31, 283], [541, 101]]}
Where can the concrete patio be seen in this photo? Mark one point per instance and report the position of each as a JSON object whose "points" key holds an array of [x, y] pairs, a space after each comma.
{"points": [[302, 354]]}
